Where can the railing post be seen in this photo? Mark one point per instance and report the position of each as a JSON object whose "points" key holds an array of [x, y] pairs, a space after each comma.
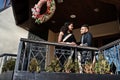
{"points": [[30, 52], [18, 58], [23, 60]]}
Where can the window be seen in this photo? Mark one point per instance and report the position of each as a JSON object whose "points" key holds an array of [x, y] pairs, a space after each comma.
{"points": [[4, 4]]}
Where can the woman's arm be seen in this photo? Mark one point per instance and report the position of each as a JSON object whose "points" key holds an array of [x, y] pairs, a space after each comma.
{"points": [[60, 37]]}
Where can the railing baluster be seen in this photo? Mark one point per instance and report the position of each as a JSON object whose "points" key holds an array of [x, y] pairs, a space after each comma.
{"points": [[42, 50], [23, 60], [29, 55], [18, 55], [113, 51], [17, 64]]}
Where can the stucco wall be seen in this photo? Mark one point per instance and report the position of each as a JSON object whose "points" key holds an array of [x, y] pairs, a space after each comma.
{"points": [[10, 34]]}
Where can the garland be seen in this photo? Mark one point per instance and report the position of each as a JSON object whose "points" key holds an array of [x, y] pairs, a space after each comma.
{"points": [[41, 18]]}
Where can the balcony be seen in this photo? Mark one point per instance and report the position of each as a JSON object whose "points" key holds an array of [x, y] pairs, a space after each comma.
{"points": [[43, 53]]}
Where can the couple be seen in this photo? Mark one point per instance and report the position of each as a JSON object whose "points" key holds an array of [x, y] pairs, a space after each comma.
{"points": [[66, 36]]}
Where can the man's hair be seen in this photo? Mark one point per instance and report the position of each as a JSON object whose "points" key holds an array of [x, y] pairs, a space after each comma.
{"points": [[85, 25]]}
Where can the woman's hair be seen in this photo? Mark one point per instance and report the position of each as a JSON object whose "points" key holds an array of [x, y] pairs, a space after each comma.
{"points": [[65, 28]]}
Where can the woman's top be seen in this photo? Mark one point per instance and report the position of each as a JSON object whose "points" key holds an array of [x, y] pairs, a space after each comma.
{"points": [[71, 37]]}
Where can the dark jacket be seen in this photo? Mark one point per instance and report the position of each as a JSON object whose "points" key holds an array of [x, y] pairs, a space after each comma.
{"points": [[87, 39]]}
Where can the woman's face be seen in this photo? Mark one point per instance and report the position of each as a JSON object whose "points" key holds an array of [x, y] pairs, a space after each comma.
{"points": [[70, 27]]}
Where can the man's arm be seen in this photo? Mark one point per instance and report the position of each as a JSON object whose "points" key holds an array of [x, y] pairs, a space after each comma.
{"points": [[89, 39]]}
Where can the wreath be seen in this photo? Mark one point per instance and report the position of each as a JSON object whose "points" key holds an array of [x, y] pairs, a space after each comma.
{"points": [[41, 18]]}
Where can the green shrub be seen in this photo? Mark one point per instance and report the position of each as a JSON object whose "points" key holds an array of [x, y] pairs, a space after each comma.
{"points": [[101, 66], [9, 65], [54, 66], [34, 66]]}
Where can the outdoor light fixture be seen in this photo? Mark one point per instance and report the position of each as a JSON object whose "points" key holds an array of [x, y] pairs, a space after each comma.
{"points": [[96, 9], [53, 21], [60, 1], [72, 16]]}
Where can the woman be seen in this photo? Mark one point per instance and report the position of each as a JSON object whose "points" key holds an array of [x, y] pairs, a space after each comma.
{"points": [[65, 35]]}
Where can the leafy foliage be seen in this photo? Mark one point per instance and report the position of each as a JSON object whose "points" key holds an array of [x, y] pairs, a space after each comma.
{"points": [[68, 65], [9, 65], [88, 68], [101, 66], [71, 66], [34, 66], [54, 66]]}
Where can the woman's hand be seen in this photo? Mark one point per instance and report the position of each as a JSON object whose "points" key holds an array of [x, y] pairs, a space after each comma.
{"points": [[71, 43]]}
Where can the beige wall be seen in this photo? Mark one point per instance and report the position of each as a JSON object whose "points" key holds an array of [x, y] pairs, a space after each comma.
{"points": [[99, 30], [10, 33], [105, 29]]}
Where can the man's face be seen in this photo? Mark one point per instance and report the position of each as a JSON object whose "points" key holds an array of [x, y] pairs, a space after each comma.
{"points": [[83, 30]]}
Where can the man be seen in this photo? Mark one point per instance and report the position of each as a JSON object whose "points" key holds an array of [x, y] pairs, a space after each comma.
{"points": [[86, 39]]}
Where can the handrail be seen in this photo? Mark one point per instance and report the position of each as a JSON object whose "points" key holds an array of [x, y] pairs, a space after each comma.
{"points": [[8, 54], [59, 44], [110, 44]]}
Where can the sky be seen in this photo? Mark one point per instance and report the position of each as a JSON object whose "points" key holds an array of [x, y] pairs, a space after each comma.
{"points": [[2, 4]]}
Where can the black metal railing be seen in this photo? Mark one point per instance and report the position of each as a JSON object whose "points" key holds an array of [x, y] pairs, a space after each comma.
{"points": [[112, 53], [44, 52]]}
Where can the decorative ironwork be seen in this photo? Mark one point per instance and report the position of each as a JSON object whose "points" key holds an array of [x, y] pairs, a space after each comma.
{"points": [[42, 52], [112, 53]]}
